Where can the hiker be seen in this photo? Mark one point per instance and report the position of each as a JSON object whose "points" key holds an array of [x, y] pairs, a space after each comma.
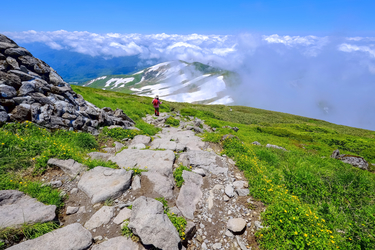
{"points": [[156, 103]]}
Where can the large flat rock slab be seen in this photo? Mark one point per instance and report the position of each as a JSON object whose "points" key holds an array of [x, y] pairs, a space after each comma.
{"points": [[140, 139], [206, 160], [186, 138], [154, 161], [118, 243], [149, 222], [99, 156], [101, 217], [16, 208], [102, 183], [162, 186], [71, 237], [70, 167], [163, 144], [190, 194]]}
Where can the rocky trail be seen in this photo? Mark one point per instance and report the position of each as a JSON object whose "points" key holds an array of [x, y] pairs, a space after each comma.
{"points": [[214, 198]]}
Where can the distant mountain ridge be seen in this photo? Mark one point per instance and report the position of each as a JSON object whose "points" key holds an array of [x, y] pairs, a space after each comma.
{"points": [[174, 81]]}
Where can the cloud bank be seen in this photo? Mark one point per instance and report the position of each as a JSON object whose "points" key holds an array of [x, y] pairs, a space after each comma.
{"points": [[330, 78]]}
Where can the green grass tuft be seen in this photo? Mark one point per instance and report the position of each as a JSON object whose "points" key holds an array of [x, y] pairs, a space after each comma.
{"points": [[172, 121], [26, 231], [177, 174]]}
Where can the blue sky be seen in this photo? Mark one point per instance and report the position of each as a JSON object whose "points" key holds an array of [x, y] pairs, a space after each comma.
{"points": [[292, 17]]}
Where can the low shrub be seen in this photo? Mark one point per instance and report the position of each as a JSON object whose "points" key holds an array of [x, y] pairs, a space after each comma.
{"points": [[26, 231], [137, 171], [120, 133], [172, 121], [178, 222], [44, 194], [92, 163]]}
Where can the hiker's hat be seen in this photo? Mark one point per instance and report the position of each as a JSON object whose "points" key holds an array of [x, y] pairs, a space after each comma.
{"points": [[156, 96]]}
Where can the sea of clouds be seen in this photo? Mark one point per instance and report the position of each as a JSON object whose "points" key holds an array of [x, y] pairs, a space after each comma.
{"points": [[330, 78]]}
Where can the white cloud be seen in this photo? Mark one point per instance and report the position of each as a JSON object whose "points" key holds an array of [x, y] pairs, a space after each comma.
{"points": [[345, 47]]}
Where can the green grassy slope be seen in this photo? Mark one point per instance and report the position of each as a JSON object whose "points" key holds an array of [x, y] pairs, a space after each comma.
{"points": [[314, 201]]}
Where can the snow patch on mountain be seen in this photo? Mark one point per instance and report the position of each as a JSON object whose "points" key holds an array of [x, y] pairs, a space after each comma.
{"points": [[94, 80], [206, 91], [225, 100], [118, 81], [176, 81]]}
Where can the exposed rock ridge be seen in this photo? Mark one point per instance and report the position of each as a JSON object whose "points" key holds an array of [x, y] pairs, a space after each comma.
{"points": [[31, 90]]}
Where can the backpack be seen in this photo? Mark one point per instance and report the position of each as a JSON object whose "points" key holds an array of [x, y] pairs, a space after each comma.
{"points": [[155, 102]]}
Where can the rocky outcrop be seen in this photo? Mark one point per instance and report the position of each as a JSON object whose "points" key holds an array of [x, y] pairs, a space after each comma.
{"points": [[71, 237], [153, 161], [355, 161], [102, 183], [149, 222], [101, 217], [70, 167], [16, 208], [190, 194], [205, 160], [31, 90], [275, 146]]}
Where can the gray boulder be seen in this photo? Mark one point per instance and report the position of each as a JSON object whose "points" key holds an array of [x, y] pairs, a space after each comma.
{"points": [[240, 184], [163, 144], [71, 210], [136, 184], [16, 208], [21, 113], [16, 52], [140, 139], [229, 190], [70, 167], [3, 65], [71, 237], [190, 231], [275, 146], [118, 146], [243, 192], [101, 217], [99, 156], [6, 45], [236, 225], [355, 161], [162, 186], [190, 194], [26, 88], [149, 222], [124, 214], [24, 76], [7, 91], [3, 116], [12, 62], [205, 160], [117, 243], [335, 154], [101, 183]]}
